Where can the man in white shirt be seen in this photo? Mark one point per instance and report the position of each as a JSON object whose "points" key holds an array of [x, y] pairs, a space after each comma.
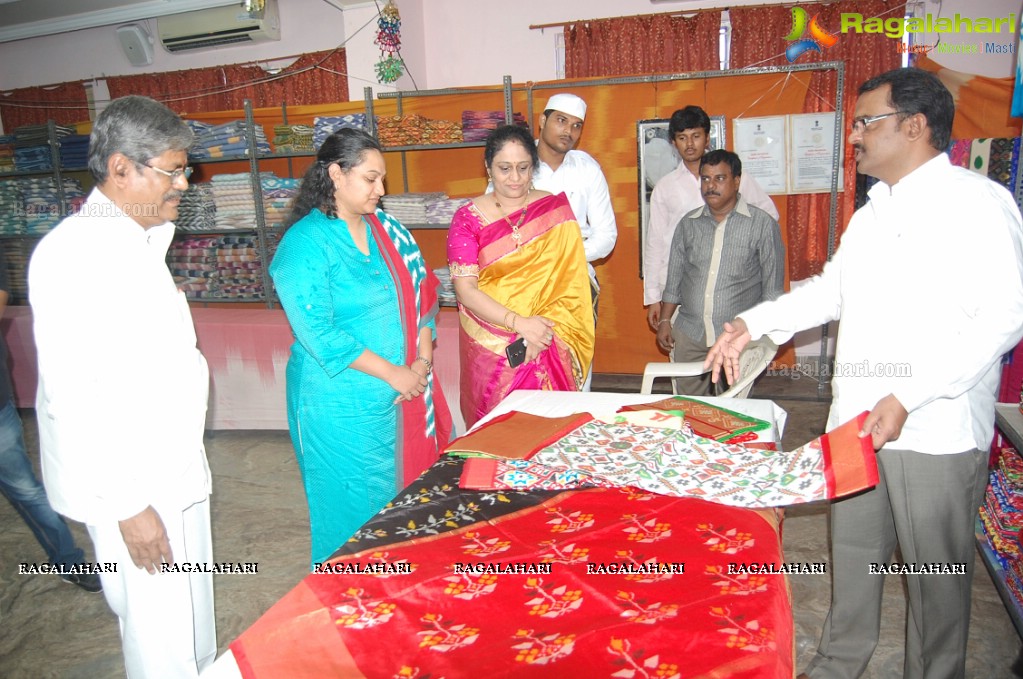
{"points": [[928, 284], [676, 195], [563, 168], [122, 392]]}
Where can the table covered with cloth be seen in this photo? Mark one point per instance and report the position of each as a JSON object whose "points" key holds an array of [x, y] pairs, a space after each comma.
{"points": [[602, 582]]}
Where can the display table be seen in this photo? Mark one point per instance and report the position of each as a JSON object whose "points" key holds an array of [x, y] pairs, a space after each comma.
{"points": [[430, 619], [247, 351]]}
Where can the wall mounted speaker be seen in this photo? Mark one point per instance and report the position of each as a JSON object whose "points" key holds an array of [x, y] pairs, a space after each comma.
{"points": [[136, 44]]}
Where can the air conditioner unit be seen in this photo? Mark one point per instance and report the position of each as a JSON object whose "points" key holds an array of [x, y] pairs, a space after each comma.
{"points": [[217, 27]]}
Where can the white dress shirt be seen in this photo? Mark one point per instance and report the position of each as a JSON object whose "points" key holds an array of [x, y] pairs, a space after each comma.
{"points": [[928, 284], [582, 180], [675, 196], [122, 387]]}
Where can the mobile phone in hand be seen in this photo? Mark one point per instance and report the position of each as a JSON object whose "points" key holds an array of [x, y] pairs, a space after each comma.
{"points": [[516, 352]]}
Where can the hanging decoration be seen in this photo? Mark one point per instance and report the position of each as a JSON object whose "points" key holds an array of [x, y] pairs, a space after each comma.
{"points": [[389, 68]]}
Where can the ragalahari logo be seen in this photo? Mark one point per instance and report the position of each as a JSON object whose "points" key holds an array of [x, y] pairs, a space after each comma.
{"points": [[819, 38]]}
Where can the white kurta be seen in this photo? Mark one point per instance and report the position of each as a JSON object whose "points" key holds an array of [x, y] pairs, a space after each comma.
{"points": [[122, 387], [928, 284], [121, 407], [579, 176]]}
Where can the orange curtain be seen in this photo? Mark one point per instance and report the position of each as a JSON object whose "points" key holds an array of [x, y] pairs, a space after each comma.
{"points": [[65, 104], [658, 43], [758, 39], [982, 103], [315, 78]]}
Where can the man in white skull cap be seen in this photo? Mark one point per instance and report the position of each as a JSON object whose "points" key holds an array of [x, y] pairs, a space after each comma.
{"points": [[563, 168]]}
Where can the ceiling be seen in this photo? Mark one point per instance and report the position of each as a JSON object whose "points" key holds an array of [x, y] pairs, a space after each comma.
{"points": [[31, 18]]}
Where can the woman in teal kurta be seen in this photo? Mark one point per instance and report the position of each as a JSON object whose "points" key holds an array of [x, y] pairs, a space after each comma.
{"points": [[361, 304]]}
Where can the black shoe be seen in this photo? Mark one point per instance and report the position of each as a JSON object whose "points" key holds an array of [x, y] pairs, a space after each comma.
{"points": [[87, 581]]}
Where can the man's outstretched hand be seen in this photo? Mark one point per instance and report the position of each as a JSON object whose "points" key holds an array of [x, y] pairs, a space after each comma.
{"points": [[726, 350]]}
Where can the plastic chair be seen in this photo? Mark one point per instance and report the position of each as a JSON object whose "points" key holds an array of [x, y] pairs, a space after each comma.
{"points": [[753, 360]]}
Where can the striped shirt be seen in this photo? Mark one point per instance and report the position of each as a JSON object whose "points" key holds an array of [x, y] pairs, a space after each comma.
{"points": [[717, 270]]}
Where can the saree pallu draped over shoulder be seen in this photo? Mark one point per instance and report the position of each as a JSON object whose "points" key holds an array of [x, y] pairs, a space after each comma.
{"points": [[424, 424], [537, 268]]}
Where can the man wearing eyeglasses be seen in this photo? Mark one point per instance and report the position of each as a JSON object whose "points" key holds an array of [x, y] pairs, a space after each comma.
{"points": [[122, 391], [930, 276]]}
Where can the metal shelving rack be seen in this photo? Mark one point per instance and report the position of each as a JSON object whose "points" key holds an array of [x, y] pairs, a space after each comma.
{"points": [[1008, 421]]}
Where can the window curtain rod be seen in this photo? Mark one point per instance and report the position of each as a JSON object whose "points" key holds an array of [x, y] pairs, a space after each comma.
{"points": [[685, 13]]}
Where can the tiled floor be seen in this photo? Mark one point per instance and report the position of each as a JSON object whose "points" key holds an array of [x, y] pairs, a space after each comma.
{"points": [[50, 629]]}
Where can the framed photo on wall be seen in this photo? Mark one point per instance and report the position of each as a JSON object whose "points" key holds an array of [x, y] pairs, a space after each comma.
{"points": [[656, 157]]}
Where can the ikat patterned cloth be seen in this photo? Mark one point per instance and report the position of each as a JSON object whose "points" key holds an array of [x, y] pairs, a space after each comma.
{"points": [[633, 451], [614, 583], [707, 420]]}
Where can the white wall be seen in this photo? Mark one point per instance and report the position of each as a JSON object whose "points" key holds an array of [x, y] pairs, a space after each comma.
{"points": [[306, 26], [470, 46], [446, 43], [992, 64]]}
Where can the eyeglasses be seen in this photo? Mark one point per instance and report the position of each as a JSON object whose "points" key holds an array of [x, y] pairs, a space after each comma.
{"points": [[860, 124], [185, 172]]}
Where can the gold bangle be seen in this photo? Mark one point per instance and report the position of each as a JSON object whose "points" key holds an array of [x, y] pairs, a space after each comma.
{"points": [[514, 316], [427, 362], [504, 321]]}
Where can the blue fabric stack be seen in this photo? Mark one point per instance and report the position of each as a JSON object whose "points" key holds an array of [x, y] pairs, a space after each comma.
{"points": [[228, 140], [278, 194], [324, 126], [42, 204], [7, 153], [74, 151], [32, 146], [12, 208]]}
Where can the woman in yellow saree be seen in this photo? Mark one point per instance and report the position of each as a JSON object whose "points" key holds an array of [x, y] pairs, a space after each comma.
{"points": [[517, 261]]}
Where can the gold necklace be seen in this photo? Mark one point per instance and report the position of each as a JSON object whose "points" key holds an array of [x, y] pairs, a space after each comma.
{"points": [[516, 236]]}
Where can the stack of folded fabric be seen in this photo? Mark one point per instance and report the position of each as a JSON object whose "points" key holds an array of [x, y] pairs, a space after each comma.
{"points": [[278, 194], [32, 146], [192, 262], [293, 139], [324, 126], [239, 268], [476, 125], [441, 211], [409, 208], [16, 253], [42, 206], [401, 130], [415, 130], [197, 211], [446, 292], [441, 132], [217, 267], [198, 128], [234, 200], [228, 140], [74, 151], [1001, 517], [7, 153], [12, 208], [271, 239]]}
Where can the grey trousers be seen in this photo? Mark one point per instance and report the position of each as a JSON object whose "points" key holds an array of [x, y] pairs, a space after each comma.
{"points": [[927, 506], [687, 349]]}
